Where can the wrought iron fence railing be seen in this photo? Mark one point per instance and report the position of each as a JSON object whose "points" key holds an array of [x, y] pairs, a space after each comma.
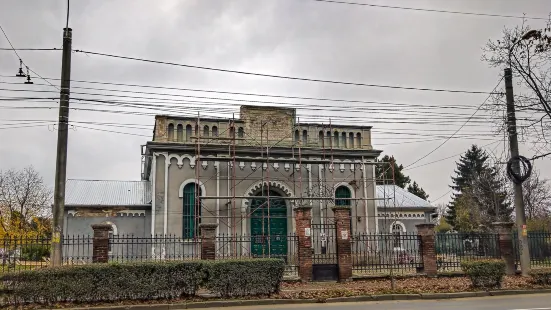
{"points": [[383, 254], [453, 248]]}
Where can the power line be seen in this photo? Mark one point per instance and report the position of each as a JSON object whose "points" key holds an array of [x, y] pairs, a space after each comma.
{"points": [[20, 59], [447, 120], [29, 49], [8, 39], [479, 107], [429, 10], [238, 101], [435, 200], [442, 159], [201, 90], [231, 107], [278, 76]]}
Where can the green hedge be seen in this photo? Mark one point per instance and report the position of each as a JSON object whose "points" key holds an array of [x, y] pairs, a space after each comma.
{"points": [[541, 276], [245, 277], [487, 273], [144, 281], [106, 282]]}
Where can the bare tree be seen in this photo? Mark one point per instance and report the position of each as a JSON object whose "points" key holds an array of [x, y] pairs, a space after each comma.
{"points": [[537, 197], [528, 52], [24, 198]]}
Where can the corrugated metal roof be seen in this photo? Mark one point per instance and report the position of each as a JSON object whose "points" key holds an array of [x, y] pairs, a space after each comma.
{"points": [[404, 199], [107, 193], [138, 193]]}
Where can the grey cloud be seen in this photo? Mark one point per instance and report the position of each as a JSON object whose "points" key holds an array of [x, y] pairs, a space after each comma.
{"points": [[288, 37]]}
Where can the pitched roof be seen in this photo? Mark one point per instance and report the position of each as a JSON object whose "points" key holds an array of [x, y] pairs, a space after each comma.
{"points": [[404, 199], [138, 193], [107, 193]]}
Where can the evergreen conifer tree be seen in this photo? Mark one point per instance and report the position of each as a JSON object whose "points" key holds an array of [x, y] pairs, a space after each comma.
{"points": [[474, 177]]}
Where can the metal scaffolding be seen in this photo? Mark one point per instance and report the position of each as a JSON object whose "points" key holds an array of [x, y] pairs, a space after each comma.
{"points": [[325, 183]]}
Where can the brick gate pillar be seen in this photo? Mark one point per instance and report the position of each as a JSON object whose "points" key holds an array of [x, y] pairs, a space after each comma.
{"points": [[100, 243], [303, 218], [427, 246], [208, 240], [505, 235], [344, 248]]}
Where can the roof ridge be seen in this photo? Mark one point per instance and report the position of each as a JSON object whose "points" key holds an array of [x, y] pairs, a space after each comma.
{"points": [[102, 180]]}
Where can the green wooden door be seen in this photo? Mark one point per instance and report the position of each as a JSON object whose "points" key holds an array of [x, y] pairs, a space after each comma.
{"points": [[269, 226]]}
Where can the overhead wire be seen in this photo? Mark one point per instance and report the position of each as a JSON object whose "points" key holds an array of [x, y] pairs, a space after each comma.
{"points": [[21, 59], [29, 49], [238, 99], [278, 76], [445, 141], [430, 10], [203, 90]]}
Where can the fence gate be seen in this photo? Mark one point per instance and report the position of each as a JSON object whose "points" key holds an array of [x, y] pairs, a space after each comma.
{"points": [[324, 259]]}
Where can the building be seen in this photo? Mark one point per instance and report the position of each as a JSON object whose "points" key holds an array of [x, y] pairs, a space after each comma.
{"points": [[245, 175]]}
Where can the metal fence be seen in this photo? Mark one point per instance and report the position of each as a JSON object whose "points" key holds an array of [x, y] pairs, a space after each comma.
{"points": [[23, 253], [539, 244], [372, 254], [232, 246], [453, 248], [128, 248], [383, 254]]}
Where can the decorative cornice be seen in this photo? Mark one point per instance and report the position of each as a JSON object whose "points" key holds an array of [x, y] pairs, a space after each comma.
{"points": [[402, 216], [131, 213], [343, 164]]}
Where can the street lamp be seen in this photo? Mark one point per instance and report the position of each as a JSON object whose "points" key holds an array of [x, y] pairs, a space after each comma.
{"points": [[526, 36]]}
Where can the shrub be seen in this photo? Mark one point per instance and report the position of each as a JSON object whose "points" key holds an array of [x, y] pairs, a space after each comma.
{"points": [[106, 282], [541, 276], [249, 277], [35, 252], [484, 273]]}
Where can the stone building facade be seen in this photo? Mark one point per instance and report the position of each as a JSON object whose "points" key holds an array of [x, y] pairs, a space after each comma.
{"points": [[245, 175]]}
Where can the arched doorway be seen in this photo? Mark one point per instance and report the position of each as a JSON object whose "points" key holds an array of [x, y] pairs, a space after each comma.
{"points": [[268, 225]]}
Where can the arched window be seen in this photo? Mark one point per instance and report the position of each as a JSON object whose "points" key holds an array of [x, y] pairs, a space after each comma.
{"points": [[397, 231], [206, 131], [240, 132], [170, 132], [214, 131], [297, 135], [342, 192], [197, 131], [359, 139], [328, 139], [351, 140], [336, 139], [191, 211], [304, 137], [343, 139], [320, 138], [188, 133], [232, 132], [180, 133]]}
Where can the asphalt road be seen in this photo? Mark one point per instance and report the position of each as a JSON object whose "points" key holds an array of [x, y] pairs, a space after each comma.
{"points": [[515, 302]]}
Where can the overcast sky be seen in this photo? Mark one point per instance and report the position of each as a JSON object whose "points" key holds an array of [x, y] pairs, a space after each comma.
{"points": [[301, 38]]}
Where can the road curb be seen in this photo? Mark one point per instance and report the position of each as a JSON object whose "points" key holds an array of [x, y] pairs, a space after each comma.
{"points": [[518, 292], [265, 302]]}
